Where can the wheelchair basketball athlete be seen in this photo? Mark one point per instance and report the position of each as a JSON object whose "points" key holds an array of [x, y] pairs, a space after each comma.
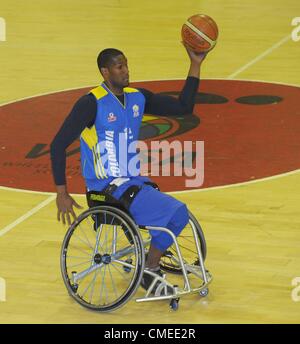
{"points": [[99, 117]]}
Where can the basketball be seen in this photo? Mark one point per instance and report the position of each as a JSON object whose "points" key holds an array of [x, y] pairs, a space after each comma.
{"points": [[200, 32]]}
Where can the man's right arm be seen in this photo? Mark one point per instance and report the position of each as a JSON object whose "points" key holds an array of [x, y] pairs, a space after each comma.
{"points": [[82, 115]]}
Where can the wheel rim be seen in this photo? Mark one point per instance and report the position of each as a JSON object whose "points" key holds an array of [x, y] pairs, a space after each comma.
{"points": [[95, 252]]}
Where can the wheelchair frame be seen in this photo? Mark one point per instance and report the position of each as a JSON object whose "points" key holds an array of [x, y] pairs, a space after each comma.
{"points": [[199, 272], [161, 291]]}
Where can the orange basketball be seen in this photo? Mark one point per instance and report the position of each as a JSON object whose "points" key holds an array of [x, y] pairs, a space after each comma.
{"points": [[200, 32]]}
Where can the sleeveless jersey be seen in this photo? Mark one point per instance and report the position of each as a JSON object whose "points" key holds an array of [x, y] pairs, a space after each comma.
{"points": [[108, 149]]}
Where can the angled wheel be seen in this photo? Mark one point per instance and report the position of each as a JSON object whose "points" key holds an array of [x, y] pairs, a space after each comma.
{"points": [[97, 250], [186, 242]]}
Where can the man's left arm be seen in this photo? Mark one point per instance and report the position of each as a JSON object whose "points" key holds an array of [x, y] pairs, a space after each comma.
{"points": [[164, 105]]}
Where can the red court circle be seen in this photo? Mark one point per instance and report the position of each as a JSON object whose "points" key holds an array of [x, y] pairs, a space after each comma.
{"points": [[250, 130]]}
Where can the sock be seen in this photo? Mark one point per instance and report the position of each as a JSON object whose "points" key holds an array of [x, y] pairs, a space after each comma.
{"points": [[156, 269]]}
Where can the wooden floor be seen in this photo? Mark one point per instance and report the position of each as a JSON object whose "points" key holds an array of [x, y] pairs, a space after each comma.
{"points": [[252, 230]]}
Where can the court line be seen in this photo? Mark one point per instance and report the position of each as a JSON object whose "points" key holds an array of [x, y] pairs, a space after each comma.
{"points": [[161, 79], [183, 191], [259, 180], [231, 76], [6, 188], [277, 176], [53, 196], [259, 57], [27, 215]]}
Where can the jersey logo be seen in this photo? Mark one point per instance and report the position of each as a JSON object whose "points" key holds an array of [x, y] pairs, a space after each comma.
{"points": [[136, 109], [111, 117]]}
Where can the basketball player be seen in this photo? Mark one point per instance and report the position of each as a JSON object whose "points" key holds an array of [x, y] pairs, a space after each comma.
{"points": [[98, 118]]}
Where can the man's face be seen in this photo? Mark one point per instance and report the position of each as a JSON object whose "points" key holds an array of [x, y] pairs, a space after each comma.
{"points": [[117, 73]]}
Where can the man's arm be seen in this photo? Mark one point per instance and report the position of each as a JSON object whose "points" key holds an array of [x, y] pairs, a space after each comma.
{"points": [[164, 105], [82, 115]]}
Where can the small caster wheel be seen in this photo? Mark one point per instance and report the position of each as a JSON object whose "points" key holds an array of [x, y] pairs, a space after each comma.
{"points": [[174, 304], [127, 268], [203, 292]]}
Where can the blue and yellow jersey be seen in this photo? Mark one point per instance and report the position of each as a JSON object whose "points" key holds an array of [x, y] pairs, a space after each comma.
{"points": [[109, 118], [108, 148]]}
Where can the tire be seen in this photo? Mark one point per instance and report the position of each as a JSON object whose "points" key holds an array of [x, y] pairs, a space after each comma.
{"points": [[100, 244], [185, 242]]}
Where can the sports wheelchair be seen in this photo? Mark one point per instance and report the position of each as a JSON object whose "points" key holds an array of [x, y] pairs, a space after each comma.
{"points": [[103, 258]]}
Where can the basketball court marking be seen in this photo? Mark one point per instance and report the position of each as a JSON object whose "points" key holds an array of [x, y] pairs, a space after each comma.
{"points": [[160, 79], [52, 197], [238, 184], [281, 175], [259, 57], [183, 191], [31, 212], [6, 188]]}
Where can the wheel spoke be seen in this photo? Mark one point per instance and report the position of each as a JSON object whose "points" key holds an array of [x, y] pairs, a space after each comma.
{"points": [[114, 240], [93, 286], [105, 241], [107, 280], [113, 283], [103, 284], [77, 237], [73, 266], [82, 231], [87, 288], [99, 232], [76, 257], [82, 251], [125, 276], [91, 225]]}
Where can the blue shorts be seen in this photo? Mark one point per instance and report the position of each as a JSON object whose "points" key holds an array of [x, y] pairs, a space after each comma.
{"points": [[151, 207]]}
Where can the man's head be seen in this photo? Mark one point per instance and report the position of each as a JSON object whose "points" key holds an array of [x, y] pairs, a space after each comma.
{"points": [[113, 66]]}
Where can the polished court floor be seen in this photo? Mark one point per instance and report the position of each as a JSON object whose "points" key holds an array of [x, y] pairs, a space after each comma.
{"points": [[252, 229]]}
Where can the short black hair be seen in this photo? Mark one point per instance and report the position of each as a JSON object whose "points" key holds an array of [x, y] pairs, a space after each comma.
{"points": [[105, 57]]}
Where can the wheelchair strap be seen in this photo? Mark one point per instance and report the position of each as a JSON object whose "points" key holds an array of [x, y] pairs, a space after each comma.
{"points": [[112, 186], [129, 195]]}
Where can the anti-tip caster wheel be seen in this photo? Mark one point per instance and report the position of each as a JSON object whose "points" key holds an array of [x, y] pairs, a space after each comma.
{"points": [[174, 304], [203, 292]]}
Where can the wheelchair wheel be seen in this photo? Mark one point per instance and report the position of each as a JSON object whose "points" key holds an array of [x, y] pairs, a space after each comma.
{"points": [[186, 242], [97, 250]]}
